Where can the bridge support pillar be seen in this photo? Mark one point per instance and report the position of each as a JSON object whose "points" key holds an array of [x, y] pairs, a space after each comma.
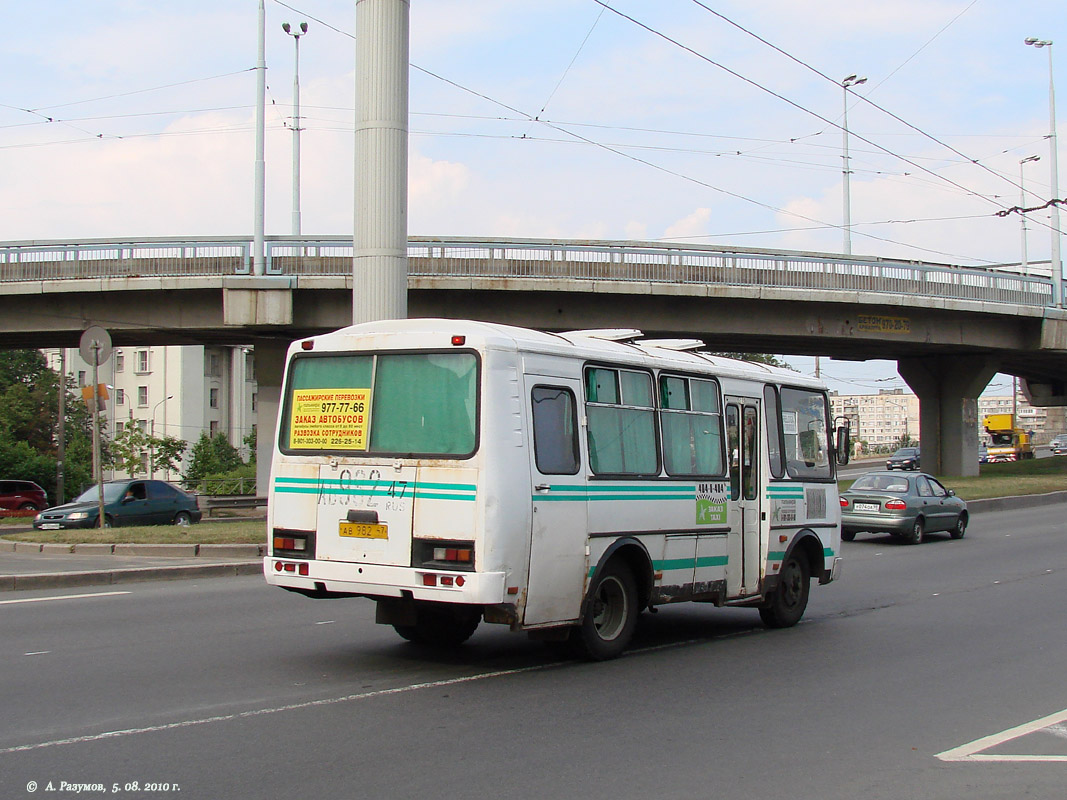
{"points": [[270, 364], [948, 389]]}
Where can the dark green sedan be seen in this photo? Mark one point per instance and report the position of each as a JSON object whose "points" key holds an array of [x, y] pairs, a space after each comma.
{"points": [[126, 502]]}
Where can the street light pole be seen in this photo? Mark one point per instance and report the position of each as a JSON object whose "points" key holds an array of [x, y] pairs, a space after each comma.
{"points": [[1057, 264], [259, 258], [296, 34], [1022, 204], [851, 80]]}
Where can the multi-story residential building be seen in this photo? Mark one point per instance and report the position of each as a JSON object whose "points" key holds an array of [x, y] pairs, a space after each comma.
{"points": [[886, 418], [881, 419], [179, 391]]}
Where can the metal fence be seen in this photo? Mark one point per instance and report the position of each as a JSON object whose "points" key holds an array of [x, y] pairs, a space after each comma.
{"points": [[527, 259]]}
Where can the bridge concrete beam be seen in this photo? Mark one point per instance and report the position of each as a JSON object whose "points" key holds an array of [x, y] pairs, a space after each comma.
{"points": [[948, 388]]}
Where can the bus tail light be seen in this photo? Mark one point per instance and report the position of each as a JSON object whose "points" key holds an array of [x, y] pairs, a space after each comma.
{"points": [[896, 505], [303, 569], [450, 554], [462, 554], [290, 543]]}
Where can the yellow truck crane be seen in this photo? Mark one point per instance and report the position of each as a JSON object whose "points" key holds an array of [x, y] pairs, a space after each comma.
{"points": [[1009, 443]]}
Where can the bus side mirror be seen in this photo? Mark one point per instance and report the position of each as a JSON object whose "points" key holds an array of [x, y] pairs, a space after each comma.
{"points": [[843, 444]]}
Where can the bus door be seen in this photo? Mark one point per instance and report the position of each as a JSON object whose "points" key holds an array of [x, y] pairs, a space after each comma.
{"points": [[558, 560], [743, 438]]}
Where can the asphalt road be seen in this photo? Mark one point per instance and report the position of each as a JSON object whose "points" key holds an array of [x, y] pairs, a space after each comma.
{"points": [[227, 688]]}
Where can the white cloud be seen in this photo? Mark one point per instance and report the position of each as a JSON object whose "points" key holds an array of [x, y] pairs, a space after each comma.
{"points": [[694, 224]]}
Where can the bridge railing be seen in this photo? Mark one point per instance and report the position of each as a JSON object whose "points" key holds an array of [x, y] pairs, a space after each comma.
{"points": [[527, 259]]}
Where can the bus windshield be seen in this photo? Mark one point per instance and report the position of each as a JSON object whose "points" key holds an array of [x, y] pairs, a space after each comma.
{"points": [[382, 404]]}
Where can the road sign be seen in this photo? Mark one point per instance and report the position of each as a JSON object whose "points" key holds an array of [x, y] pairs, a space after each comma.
{"points": [[95, 346]]}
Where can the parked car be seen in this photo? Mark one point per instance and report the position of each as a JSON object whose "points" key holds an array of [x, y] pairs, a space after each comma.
{"points": [[126, 502], [904, 458], [906, 506], [22, 496]]}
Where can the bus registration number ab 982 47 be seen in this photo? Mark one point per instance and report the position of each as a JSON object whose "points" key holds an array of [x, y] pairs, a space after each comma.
{"points": [[364, 530]]}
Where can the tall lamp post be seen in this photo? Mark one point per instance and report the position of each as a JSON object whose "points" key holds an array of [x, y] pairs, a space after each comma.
{"points": [[846, 84], [152, 434], [1022, 204], [1057, 265], [296, 34]]}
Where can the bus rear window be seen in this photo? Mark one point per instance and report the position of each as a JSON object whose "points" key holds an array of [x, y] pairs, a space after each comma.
{"points": [[389, 404]]}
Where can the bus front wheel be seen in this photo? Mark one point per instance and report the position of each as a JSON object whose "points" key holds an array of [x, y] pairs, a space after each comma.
{"points": [[610, 614], [786, 606], [441, 625]]}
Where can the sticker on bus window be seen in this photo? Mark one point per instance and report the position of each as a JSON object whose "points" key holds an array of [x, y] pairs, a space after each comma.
{"points": [[789, 423], [329, 419]]}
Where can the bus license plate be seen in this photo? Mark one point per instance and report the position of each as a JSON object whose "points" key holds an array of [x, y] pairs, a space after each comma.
{"points": [[867, 507], [364, 530]]}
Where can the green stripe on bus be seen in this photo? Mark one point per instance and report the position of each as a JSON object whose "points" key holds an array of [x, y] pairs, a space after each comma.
{"points": [[779, 555], [674, 564], [368, 492]]}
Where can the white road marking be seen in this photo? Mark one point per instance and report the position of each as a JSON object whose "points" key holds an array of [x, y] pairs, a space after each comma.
{"points": [[331, 701], [973, 750], [414, 687], [61, 597], [38, 653]]}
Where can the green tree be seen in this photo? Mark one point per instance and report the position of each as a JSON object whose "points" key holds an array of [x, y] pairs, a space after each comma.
{"points": [[212, 455], [250, 443], [127, 448], [29, 413], [132, 448], [758, 358], [167, 453]]}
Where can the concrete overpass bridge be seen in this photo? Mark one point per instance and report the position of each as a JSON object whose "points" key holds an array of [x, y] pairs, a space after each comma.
{"points": [[949, 328]]}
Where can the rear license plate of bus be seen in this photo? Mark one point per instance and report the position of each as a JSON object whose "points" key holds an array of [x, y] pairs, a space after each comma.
{"points": [[364, 530], [867, 507]]}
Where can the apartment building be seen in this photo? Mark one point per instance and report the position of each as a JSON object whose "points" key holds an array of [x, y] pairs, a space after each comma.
{"points": [[885, 418], [179, 391]]}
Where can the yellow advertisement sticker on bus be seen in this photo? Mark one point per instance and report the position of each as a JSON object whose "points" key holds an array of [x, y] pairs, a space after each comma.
{"points": [[329, 419]]}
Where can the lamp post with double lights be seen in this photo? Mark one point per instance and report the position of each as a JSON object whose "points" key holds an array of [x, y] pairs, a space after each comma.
{"points": [[1057, 265], [296, 33], [846, 84]]}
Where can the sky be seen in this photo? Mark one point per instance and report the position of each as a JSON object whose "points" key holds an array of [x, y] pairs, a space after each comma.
{"points": [[662, 120]]}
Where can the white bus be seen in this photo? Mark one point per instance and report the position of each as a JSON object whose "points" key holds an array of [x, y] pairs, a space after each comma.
{"points": [[458, 471]]}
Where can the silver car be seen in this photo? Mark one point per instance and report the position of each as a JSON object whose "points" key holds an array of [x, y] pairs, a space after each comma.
{"points": [[906, 506]]}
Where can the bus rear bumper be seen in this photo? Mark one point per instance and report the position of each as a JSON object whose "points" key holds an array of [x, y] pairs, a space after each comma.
{"points": [[375, 580]]}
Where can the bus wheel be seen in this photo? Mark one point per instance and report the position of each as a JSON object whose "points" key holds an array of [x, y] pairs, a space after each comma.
{"points": [[786, 606], [441, 625], [610, 614]]}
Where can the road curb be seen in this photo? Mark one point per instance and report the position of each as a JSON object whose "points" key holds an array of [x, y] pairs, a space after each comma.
{"points": [[128, 575], [1015, 501]]}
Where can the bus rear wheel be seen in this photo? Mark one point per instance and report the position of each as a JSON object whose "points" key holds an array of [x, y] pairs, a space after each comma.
{"points": [[786, 606], [610, 614], [441, 625]]}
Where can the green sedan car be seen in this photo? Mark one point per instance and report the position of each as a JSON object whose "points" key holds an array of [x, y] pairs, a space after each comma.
{"points": [[126, 502]]}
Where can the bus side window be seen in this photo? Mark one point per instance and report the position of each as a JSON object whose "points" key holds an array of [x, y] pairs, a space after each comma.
{"points": [[733, 446], [555, 431]]}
